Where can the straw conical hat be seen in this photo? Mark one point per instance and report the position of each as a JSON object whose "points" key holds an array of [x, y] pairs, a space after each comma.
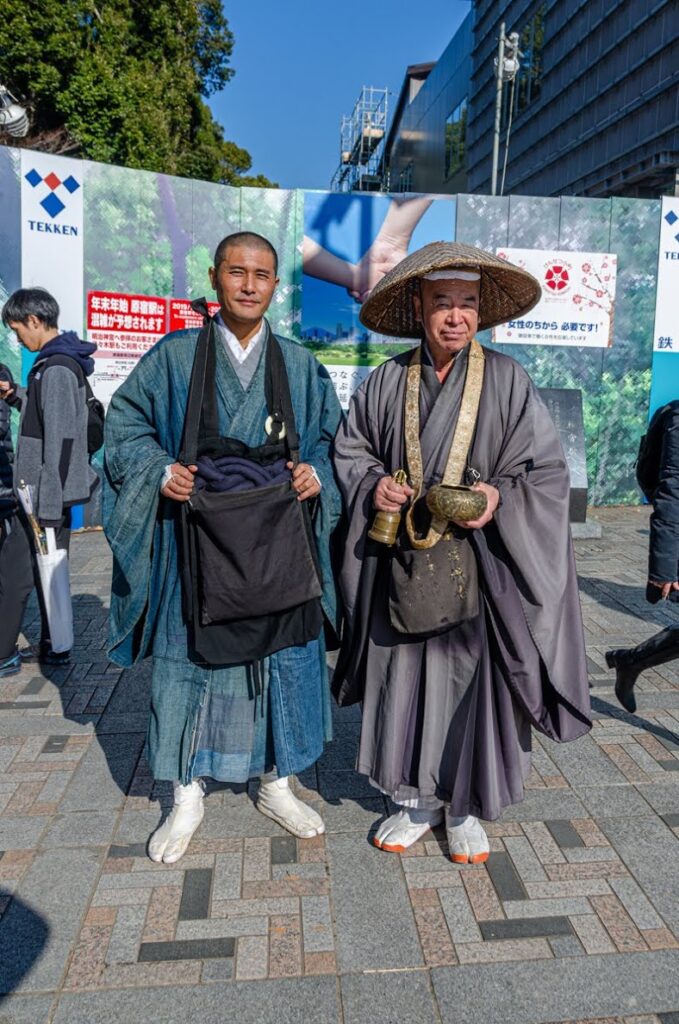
{"points": [[507, 292]]}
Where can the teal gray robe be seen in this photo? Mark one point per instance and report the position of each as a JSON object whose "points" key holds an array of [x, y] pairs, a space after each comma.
{"points": [[207, 721]]}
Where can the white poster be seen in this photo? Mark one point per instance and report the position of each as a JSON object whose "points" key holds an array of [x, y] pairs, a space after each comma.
{"points": [[577, 304], [666, 333], [52, 231]]}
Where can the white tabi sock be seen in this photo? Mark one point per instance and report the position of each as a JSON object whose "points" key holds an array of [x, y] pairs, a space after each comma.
{"points": [[277, 801], [405, 827], [467, 839], [169, 842]]}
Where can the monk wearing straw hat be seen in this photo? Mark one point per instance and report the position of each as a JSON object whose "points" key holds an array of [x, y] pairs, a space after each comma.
{"points": [[463, 624]]}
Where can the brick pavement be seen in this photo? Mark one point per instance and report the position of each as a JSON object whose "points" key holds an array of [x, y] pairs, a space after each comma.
{"points": [[575, 917]]}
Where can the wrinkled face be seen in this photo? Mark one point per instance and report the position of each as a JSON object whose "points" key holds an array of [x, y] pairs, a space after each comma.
{"points": [[245, 281], [31, 334], [449, 312]]}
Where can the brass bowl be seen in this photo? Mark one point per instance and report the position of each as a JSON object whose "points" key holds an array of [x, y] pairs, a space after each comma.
{"points": [[460, 504]]}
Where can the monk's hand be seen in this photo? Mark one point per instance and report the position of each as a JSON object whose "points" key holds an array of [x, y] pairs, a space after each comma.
{"points": [[390, 496], [6, 389], [304, 481], [180, 485], [493, 496], [665, 588]]}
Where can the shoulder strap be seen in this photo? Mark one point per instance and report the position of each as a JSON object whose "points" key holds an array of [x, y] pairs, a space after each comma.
{"points": [[278, 400], [194, 407]]}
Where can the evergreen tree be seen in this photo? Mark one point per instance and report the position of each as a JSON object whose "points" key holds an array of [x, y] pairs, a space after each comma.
{"points": [[123, 81]]}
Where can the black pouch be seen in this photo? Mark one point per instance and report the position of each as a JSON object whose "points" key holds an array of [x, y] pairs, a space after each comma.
{"points": [[433, 589], [251, 581]]}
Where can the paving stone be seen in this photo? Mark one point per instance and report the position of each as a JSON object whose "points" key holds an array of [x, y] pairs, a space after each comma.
{"points": [[351, 815], [317, 924], [285, 947], [252, 960], [86, 828], [582, 763], [37, 929], [637, 905], [662, 796], [547, 907], [546, 804], [166, 875], [505, 877], [129, 850], [525, 928], [462, 923], [187, 949], [613, 801], [223, 927], [583, 989], [525, 861], [21, 833], [282, 906], [283, 850], [216, 971], [104, 773], [566, 945], [364, 881], [26, 1009], [195, 904], [126, 936], [650, 850], [389, 998], [499, 952], [592, 934], [564, 834], [286, 1001], [227, 876]]}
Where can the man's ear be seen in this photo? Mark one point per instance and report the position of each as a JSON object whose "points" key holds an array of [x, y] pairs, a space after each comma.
{"points": [[212, 274]]}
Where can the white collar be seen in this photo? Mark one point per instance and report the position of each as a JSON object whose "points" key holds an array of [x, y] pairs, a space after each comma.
{"points": [[239, 353]]}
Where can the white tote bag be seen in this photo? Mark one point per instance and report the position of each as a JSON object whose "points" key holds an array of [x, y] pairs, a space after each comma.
{"points": [[56, 589]]}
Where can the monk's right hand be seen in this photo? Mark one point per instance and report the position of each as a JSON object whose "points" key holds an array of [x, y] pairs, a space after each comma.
{"points": [[390, 496], [180, 485]]}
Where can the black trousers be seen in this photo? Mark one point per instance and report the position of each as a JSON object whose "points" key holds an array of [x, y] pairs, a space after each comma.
{"points": [[63, 539], [16, 580]]}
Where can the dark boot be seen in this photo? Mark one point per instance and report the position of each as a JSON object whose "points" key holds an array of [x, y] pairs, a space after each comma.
{"points": [[630, 662]]}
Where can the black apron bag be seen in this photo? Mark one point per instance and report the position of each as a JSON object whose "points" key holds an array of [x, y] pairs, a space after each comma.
{"points": [[250, 573]]}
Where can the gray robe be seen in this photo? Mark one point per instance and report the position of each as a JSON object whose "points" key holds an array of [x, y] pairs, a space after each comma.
{"points": [[448, 718]]}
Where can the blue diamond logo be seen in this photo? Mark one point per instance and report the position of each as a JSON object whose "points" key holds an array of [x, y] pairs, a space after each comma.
{"points": [[677, 237], [71, 184], [33, 178], [53, 204], [671, 217]]}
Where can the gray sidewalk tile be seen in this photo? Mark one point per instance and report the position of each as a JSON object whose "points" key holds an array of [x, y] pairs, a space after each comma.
{"points": [[388, 999], [104, 773], [26, 1009], [288, 1001], [317, 924], [613, 801], [82, 828], [364, 881], [22, 833], [651, 852], [550, 991], [582, 763], [43, 919]]}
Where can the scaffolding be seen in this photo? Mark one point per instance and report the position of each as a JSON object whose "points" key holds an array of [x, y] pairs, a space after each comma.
{"points": [[362, 135]]}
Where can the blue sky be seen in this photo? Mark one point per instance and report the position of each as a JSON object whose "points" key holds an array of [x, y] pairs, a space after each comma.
{"points": [[300, 65]]}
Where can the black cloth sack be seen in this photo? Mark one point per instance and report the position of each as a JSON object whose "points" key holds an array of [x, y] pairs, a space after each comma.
{"points": [[251, 581]]}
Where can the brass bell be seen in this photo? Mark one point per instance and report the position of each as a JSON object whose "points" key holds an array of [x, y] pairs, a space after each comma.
{"points": [[460, 504], [385, 524]]}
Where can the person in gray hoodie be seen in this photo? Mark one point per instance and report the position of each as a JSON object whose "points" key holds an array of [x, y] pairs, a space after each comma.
{"points": [[51, 454]]}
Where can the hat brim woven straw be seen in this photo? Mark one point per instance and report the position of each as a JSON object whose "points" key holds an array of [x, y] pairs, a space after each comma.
{"points": [[506, 293]]}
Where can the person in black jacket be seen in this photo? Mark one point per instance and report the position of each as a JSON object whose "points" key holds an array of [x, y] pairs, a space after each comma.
{"points": [[663, 569], [16, 574]]}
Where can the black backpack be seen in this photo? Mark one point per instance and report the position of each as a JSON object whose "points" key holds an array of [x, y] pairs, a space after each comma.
{"points": [[95, 409], [650, 451]]}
